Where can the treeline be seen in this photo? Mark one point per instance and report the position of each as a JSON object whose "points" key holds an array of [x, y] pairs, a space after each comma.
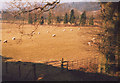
{"points": [[51, 18], [67, 18], [110, 37]]}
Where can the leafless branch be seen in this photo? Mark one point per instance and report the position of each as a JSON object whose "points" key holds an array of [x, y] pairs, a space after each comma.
{"points": [[42, 8], [23, 8]]}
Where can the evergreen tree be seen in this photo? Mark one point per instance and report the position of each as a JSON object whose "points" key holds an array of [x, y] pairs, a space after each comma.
{"points": [[30, 19], [77, 17], [49, 18], [83, 18], [42, 20], [58, 19], [66, 19], [72, 17], [35, 18], [91, 22]]}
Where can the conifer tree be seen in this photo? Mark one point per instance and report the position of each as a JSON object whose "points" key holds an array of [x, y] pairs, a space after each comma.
{"points": [[35, 18], [42, 20], [91, 22], [72, 17], [30, 19], [66, 18], [83, 18], [58, 19], [49, 18]]}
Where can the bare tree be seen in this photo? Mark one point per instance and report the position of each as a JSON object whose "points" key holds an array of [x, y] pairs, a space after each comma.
{"points": [[22, 8]]}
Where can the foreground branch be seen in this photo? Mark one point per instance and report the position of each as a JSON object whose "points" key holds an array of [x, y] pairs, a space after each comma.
{"points": [[42, 9]]}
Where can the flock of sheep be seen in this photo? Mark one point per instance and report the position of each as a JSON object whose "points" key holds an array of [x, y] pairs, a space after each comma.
{"points": [[54, 35], [91, 41]]}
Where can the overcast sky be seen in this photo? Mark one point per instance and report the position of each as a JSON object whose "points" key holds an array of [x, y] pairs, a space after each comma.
{"points": [[68, 0], [60, 0]]}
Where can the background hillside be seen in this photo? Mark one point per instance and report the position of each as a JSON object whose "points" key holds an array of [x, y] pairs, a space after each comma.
{"points": [[81, 6], [93, 8]]}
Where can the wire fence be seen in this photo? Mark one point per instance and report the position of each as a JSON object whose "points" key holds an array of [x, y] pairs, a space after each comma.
{"points": [[86, 65]]}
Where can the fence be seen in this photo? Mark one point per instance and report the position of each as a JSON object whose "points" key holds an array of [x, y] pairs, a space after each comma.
{"points": [[33, 70], [86, 65], [82, 65]]}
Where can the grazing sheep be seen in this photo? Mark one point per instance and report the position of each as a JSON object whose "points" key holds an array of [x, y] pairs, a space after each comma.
{"points": [[89, 43], [54, 35], [64, 30], [78, 28], [5, 41], [13, 38], [93, 40], [71, 29], [38, 32]]}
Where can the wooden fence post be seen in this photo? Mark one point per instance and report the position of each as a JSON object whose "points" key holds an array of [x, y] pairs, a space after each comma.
{"points": [[62, 64], [34, 71], [19, 68], [6, 67], [67, 65], [72, 64], [77, 63]]}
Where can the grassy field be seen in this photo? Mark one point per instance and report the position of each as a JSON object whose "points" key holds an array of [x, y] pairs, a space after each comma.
{"points": [[42, 48], [70, 45]]}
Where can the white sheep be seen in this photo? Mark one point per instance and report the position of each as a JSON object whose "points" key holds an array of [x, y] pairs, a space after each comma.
{"points": [[71, 29], [5, 41], [13, 38], [38, 32], [89, 43], [93, 40], [54, 35], [64, 30], [78, 28]]}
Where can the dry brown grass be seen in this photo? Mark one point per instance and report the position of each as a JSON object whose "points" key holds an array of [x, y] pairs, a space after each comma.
{"points": [[70, 45]]}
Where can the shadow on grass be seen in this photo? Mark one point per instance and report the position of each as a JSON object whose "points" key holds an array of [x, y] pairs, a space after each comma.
{"points": [[27, 71], [5, 58]]}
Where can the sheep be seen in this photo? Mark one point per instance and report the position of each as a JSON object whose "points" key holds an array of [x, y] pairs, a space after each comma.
{"points": [[13, 38], [89, 43], [93, 40], [5, 41], [38, 32], [64, 30], [53, 35], [78, 28], [71, 29]]}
